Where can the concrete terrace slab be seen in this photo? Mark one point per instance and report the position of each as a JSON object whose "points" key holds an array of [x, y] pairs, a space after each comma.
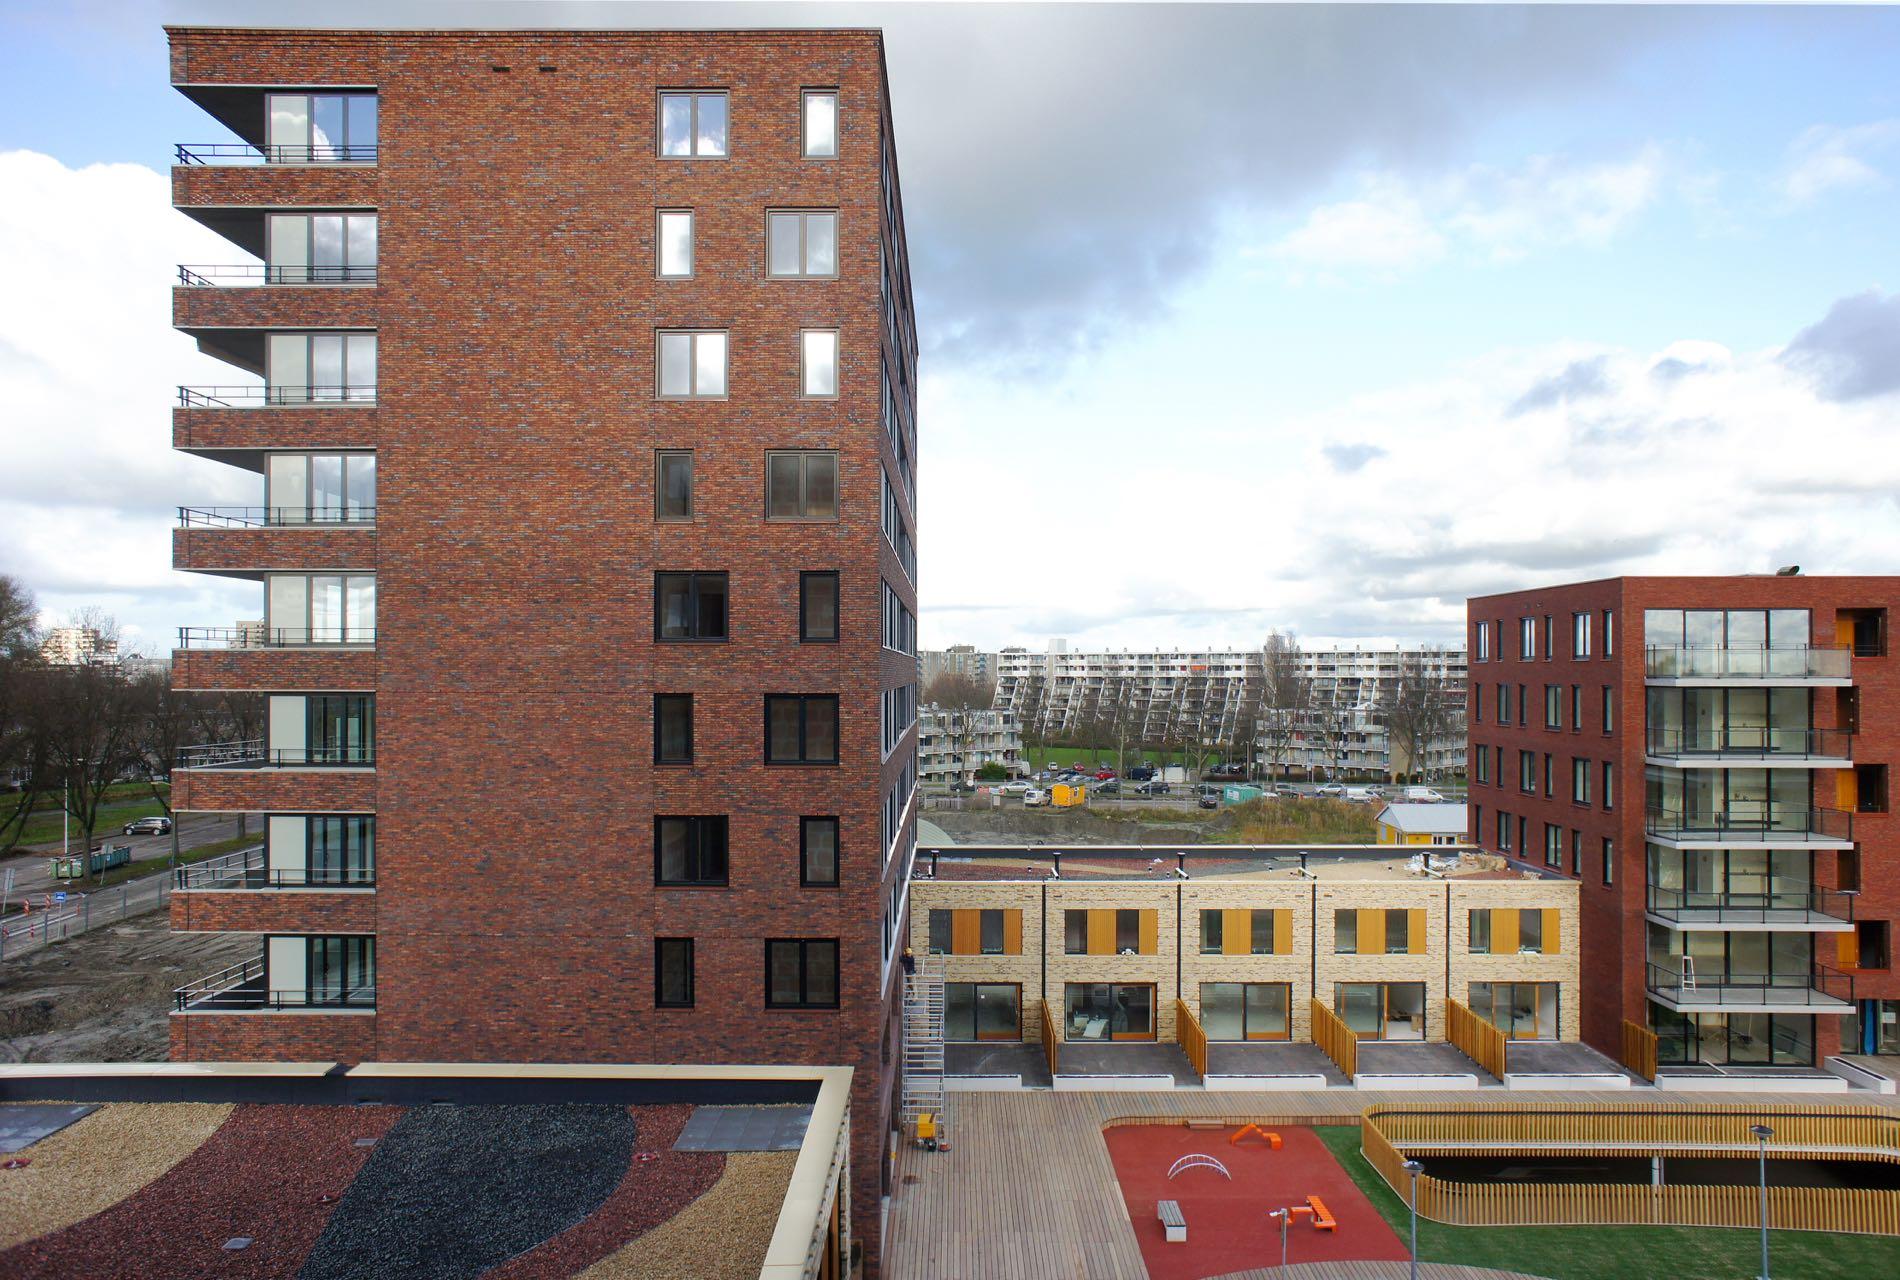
{"points": [[1085, 1059], [744, 1129], [1016, 1058], [1258, 1059], [1384, 1059], [1525, 1057], [23, 1125]]}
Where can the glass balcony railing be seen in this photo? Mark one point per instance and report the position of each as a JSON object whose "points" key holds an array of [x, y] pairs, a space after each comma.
{"points": [[1719, 988], [1753, 741], [1750, 824], [253, 754], [1772, 906], [1680, 663]]}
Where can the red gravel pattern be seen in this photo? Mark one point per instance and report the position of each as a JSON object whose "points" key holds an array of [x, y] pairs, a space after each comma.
{"points": [[273, 1173], [652, 1192]]}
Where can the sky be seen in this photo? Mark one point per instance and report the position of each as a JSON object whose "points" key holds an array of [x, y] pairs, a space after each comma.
{"points": [[1232, 318]]}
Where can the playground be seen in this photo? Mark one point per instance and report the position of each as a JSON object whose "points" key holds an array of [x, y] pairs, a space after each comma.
{"points": [[1225, 1189]]}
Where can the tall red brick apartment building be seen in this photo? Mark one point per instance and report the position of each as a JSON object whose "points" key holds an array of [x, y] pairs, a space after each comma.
{"points": [[1711, 758], [577, 371]]}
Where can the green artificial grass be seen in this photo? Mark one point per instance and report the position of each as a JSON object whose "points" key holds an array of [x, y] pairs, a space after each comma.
{"points": [[1621, 1253]]}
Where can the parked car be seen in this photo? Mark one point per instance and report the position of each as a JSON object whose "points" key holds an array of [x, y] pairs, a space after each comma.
{"points": [[1423, 795], [1016, 787], [1210, 798], [1107, 787], [1035, 798], [1227, 773], [1103, 775], [1142, 772], [1362, 794], [1078, 766], [1153, 787], [149, 827], [1330, 789], [962, 788]]}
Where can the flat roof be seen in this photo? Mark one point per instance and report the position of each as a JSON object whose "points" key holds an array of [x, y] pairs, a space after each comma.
{"points": [[1289, 863]]}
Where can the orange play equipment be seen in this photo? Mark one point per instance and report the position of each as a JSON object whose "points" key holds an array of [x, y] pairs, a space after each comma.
{"points": [[1322, 1220], [1271, 1139]]}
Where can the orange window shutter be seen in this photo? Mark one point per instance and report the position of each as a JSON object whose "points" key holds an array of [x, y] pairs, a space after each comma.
{"points": [[1150, 943], [1013, 931], [1553, 931], [1236, 932], [1415, 931], [1371, 931], [1101, 933], [1846, 791], [1847, 949], [1843, 631], [1282, 931], [1504, 931], [966, 932]]}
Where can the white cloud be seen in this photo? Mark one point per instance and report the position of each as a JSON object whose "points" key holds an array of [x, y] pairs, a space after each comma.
{"points": [[1386, 229], [1831, 158]]}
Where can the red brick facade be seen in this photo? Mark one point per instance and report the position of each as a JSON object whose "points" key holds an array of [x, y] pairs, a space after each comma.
{"points": [[516, 312], [1613, 915], [275, 910]]}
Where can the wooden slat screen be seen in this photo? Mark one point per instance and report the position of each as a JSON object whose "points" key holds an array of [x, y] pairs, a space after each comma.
{"points": [[1187, 1030], [966, 932], [1415, 931], [1149, 943], [1475, 1037], [1371, 931], [1282, 931], [1335, 1038], [1553, 931], [1639, 1049], [1101, 933], [1236, 931], [1013, 931]]}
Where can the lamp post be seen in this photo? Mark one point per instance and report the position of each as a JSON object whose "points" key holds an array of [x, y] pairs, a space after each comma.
{"points": [[1412, 1169], [1762, 1133], [1284, 1218]]}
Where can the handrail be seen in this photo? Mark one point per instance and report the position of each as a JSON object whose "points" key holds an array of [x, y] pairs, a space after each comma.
{"points": [[1763, 740], [234, 397], [1835, 904], [1830, 662], [263, 637], [246, 997], [1723, 987], [246, 869], [248, 273], [273, 517], [1753, 820], [252, 754], [190, 153], [223, 980]]}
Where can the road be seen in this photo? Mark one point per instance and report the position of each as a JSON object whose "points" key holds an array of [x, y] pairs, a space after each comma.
{"points": [[33, 872]]}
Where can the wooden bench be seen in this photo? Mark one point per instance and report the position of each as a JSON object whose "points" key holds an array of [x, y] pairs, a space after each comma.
{"points": [[1322, 1220], [1172, 1221]]}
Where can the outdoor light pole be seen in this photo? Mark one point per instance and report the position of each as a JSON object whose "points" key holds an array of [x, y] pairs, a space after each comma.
{"points": [[1284, 1218], [1413, 1168], [1762, 1133]]}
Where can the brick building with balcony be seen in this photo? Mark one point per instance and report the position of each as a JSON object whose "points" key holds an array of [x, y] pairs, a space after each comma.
{"points": [[578, 374], [1709, 757]]}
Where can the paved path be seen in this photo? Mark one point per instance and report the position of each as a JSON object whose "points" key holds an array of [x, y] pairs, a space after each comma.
{"points": [[33, 872]]}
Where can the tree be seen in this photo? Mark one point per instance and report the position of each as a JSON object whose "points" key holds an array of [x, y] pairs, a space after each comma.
{"points": [[92, 736], [1286, 698], [22, 729], [961, 697], [19, 620], [1418, 709]]}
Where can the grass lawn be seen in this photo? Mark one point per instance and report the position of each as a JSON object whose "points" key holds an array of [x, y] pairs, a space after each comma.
{"points": [[1041, 756], [44, 826], [1620, 1253], [159, 867]]}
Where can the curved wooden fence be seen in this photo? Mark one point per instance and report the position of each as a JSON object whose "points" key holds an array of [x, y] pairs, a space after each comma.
{"points": [[1331, 1034], [1474, 1037], [1389, 1135], [1187, 1029]]}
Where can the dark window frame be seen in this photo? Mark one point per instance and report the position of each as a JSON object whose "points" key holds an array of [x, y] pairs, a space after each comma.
{"points": [[692, 576], [805, 947], [697, 832], [837, 607], [804, 852], [660, 458], [659, 969], [658, 699], [804, 700], [804, 458]]}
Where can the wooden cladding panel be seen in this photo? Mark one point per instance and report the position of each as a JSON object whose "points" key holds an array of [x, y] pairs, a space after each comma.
{"points": [[1371, 931], [1236, 931], [1415, 931]]}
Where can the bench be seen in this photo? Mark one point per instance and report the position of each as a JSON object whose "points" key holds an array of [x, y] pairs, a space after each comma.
{"points": [[1172, 1221], [1322, 1219]]}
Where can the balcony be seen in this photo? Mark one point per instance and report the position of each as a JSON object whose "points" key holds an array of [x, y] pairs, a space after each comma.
{"points": [[354, 516], [1676, 665], [1821, 990], [256, 658], [250, 552], [1751, 827], [1750, 746], [1792, 910], [253, 754], [255, 635], [256, 275], [250, 869], [244, 987], [258, 396], [241, 439], [242, 893]]}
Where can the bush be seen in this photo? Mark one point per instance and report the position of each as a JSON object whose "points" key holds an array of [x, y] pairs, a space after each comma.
{"points": [[992, 771]]}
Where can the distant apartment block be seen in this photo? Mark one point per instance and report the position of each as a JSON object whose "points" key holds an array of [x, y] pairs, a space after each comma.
{"points": [[1710, 759], [958, 660], [77, 646], [953, 745]]}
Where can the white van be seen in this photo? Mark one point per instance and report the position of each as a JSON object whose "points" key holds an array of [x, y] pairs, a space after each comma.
{"points": [[1422, 795]]}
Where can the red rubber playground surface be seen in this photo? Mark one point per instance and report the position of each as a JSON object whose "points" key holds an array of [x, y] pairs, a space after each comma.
{"points": [[1227, 1224]]}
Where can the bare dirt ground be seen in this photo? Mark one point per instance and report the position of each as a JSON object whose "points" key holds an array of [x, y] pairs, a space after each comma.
{"points": [[105, 995]]}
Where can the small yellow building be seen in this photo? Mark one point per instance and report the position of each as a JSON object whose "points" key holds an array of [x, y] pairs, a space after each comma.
{"points": [[1425, 824]]}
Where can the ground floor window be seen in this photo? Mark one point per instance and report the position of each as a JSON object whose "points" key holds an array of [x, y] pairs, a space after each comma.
{"points": [[1733, 1039], [1873, 1027], [1521, 1010], [1109, 1011], [1246, 1010], [1382, 1010], [982, 1011]]}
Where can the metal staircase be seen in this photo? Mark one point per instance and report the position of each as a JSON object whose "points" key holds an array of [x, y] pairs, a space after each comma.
{"points": [[923, 1044]]}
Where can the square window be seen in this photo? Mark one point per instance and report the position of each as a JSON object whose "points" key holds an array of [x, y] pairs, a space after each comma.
{"points": [[818, 364], [818, 851], [673, 484], [818, 607], [673, 973], [692, 124], [801, 244], [801, 973], [821, 123], [674, 236], [672, 728], [692, 364], [801, 485], [689, 851], [801, 728], [689, 606]]}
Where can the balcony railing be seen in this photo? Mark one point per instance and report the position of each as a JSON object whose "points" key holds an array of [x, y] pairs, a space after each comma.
{"points": [[263, 637], [189, 153], [1752, 740], [272, 517], [253, 754], [250, 396], [1775, 906], [242, 986], [247, 869], [1680, 663], [1722, 988], [1751, 823], [244, 275]]}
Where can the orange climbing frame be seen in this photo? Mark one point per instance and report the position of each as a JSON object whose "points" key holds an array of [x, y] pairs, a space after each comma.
{"points": [[1272, 1139]]}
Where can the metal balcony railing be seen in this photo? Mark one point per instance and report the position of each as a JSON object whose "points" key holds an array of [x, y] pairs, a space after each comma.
{"points": [[190, 153], [262, 637], [253, 754], [272, 517], [247, 869], [1678, 662], [242, 275], [1753, 822], [1752, 740], [242, 986], [250, 396], [1774, 906], [1718, 988]]}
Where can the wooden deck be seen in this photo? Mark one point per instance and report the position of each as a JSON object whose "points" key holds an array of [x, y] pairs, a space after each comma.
{"points": [[1027, 1191]]}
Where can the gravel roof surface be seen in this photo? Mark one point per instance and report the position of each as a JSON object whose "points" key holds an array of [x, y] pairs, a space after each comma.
{"points": [[270, 1172], [452, 1191], [723, 1235]]}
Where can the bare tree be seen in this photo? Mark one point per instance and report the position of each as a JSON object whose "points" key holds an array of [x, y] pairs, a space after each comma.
{"points": [[1286, 698], [1418, 710], [961, 697], [93, 737], [22, 730]]}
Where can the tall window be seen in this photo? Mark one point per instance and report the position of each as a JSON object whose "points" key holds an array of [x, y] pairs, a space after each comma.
{"points": [[801, 728], [801, 245], [1553, 706], [1609, 861], [674, 236], [1345, 930], [673, 973], [1483, 633], [820, 131], [692, 364], [1482, 763], [320, 368], [320, 488], [1527, 637], [1479, 942], [801, 485], [672, 728], [689, 850], [1580, 635], [1504, 832], [1213, 932], [689, 606], [1504, 704], [1579, 780], [1553, 845], [673, 484], [801, 973], [818, 851], [818, 363], [900, 625], [1609, 785], [321, 248], [1576, 708], [818, 607], [1527, 772], [320, 608], [321, 128], [692, 124], [1477, 702], [1609, 709]]}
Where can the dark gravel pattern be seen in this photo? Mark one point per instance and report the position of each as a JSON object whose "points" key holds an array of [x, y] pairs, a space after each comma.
{"points": [[273, 1173], [450, 1192], [654, 1189]]}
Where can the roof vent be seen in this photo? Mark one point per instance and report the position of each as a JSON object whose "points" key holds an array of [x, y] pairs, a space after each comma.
{"points": [[1788, 571]]}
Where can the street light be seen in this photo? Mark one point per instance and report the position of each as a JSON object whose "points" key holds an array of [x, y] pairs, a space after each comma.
{"points": [[1413, 1168], [1284, 1218], [1762, 1133]]}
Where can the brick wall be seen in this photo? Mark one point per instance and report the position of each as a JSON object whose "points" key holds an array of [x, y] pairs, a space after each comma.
{"points": [[274, 910], [307, 1036]]}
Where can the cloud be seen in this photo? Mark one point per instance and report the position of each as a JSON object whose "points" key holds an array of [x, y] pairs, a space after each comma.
{"points": [[1578, 380], [1387, 230], [1830, 158], [1854, 350], [1348, 458]]}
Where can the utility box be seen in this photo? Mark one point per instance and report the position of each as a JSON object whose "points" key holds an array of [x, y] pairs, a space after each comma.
{"points": [[1064, 796], [1239, 793]]}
